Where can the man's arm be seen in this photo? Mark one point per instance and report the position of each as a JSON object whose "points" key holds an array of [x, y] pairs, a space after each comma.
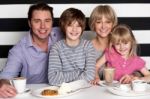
{"points": [[13, 64], [11, 70]]}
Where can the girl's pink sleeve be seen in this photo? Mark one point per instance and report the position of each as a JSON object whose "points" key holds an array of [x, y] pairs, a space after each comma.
{"points": [[140, 63]]}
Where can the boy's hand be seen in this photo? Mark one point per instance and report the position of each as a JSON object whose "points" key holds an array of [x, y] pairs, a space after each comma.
{"points": [[95, 81]]}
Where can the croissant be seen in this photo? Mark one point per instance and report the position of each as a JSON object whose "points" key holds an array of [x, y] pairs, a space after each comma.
{"points": [[49, 92]]}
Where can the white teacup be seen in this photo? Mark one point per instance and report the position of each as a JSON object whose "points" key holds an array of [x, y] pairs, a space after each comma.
{"points": [[139, 85], [19, 83], [125, 87]]}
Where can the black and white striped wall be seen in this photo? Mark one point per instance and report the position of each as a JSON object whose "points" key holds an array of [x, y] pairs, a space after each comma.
{"points": [[13, 20]]}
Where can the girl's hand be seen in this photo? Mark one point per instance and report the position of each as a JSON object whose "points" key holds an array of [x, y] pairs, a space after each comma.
{"points": [[95, 81], [135, 78], [126, 79]]}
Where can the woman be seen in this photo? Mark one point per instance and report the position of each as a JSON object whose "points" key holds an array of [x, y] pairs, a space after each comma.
{"points": [[103, 18]]}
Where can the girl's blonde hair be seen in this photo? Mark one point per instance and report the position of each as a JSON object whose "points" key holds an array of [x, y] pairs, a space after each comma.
{"points": [[122, 34], [100, 11]]}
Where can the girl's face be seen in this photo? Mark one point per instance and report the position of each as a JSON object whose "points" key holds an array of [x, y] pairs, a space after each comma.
{"points": [[103, 27], [123, 48], [73, 31]]}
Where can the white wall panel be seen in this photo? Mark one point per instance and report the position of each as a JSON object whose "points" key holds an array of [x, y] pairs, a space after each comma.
{"points": [[122, 10], [10, 38]]}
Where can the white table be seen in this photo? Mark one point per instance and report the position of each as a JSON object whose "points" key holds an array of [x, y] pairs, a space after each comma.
{"points": [[94, 92]]}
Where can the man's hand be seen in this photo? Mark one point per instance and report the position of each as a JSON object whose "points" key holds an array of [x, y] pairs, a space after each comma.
{"points": [[6, 90]]}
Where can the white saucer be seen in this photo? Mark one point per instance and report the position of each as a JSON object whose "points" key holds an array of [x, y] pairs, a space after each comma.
{"points": [[103, 83], [25, 93], [129, 93]]}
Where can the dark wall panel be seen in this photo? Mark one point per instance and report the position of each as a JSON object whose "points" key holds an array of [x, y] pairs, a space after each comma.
{"points": [[21, 24], [71, 1], [143, 50]]}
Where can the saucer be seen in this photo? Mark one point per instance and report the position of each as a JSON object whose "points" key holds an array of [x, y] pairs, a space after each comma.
{"points": [[25, 93], [129, 93], [113, 84]]}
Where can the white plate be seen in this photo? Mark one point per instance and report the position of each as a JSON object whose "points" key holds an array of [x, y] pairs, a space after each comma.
{"points": [[129, 93], [103, 83], [38, 92]]}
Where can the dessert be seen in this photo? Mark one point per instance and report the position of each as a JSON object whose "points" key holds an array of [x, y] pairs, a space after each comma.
{"points": [[64, 89], [49, 92]]}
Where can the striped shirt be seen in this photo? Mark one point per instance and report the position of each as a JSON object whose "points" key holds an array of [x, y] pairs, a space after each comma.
{"points": [[68, 64]]}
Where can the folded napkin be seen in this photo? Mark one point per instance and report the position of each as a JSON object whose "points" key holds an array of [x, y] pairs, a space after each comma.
{"points": [[66, 88]]}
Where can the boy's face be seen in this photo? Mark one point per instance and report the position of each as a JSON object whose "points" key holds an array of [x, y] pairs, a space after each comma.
{"points": [[73, 31], [41, 24]]}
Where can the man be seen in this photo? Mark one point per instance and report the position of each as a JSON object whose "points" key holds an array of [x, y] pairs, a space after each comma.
{"points": [[29, 58]]}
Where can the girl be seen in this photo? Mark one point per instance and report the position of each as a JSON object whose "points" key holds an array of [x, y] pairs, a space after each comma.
{"points": [[102, 19], [71, 58], [121, 55]]}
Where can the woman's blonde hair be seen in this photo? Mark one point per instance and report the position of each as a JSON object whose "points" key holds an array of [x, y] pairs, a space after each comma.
{"points": [[122, 34], [100, 11]]}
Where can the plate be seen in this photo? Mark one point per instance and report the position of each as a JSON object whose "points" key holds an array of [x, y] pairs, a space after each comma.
{"points": [[38, 92], [103, 83], [129, 93]]}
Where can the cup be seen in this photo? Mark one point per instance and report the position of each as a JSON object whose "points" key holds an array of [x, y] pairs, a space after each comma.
{"points": [[125, 87], [109, 75], [19, 83], [139, 85]]}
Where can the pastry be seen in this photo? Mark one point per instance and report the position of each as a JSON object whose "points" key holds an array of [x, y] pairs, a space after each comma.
{"points": [[49, 92]]}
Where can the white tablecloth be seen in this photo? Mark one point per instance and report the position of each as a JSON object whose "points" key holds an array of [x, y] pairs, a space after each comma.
{"points": [[94, 92]]}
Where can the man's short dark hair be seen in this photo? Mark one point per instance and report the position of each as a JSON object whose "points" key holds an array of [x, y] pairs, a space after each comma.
{"points": [[39, 6]]}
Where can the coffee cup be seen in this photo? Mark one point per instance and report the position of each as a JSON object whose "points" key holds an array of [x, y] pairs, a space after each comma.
{"points": [[109, 74], [125, 87], [139, 85], [19, 83]]}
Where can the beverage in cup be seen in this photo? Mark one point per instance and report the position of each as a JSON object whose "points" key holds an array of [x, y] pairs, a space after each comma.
{"points": [[109, 75]]}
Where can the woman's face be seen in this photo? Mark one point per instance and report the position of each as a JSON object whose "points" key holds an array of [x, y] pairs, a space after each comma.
{"points": [[103, 27]]}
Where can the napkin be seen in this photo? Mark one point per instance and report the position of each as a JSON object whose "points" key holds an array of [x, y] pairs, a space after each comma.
{"points": [[66, 88]]}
